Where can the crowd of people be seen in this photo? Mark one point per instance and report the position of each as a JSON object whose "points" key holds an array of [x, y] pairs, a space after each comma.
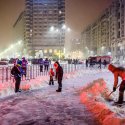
{"points": [[91, 63], [20, 68]]}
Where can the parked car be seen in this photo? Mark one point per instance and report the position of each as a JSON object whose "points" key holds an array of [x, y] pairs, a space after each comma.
{"points": [[3, 62]]}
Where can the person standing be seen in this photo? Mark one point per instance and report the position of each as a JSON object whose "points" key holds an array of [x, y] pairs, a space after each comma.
{"points": [[99, 62], [46, 64], [86, 63], [16, 72], [59, 75], [51, 74], [24, 66], [41, 62], [105, 63], [118, 72]]}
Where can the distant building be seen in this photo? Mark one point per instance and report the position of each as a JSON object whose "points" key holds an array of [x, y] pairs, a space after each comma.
{"points": [[106, 36], [40, 15]]}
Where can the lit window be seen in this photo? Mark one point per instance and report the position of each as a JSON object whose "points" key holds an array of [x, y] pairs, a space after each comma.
{"points": [[50, 50], [45, 51], [55, 50]]}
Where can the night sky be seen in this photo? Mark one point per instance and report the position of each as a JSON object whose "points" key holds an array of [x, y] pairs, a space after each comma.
{"points": [[79, 13]]}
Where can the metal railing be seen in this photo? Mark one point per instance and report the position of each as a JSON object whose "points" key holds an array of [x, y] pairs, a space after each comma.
{"points": [[33, 71]]}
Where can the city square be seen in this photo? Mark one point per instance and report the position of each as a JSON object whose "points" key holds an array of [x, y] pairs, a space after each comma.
{"points": [[62, 62]]}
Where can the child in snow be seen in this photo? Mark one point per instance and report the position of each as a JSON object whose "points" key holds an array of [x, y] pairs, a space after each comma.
{"points": [[51, 74], [118, 72]]}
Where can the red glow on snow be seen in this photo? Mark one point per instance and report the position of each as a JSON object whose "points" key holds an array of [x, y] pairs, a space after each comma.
{"points": [[90, 96]]}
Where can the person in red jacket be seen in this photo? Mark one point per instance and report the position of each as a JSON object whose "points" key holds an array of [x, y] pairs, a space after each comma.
{"points": [[51, 74], [118, 72], [59, 75]]}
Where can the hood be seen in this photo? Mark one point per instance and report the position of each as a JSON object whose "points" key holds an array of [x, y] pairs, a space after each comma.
{"points": [[56, 64], [111, 67]]}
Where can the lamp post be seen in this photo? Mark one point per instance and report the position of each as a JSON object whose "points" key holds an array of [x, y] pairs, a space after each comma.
{"points": [[60, 31]]}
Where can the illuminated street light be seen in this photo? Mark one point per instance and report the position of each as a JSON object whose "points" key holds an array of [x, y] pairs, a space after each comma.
{"points": [[11, 46], [109, 53], [52, 28], [19, 42], [59, 31], [64, 26], [68, 29]]}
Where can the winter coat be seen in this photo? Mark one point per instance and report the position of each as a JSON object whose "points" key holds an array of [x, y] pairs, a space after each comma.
{"points": [[24, 63], [118, 72], [46, 62], [16, 71], [51, 73], [59, 73], [41, 62]]}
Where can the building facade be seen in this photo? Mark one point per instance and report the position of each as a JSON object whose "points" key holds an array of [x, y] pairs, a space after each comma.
{"points": [[106, 36], [40, 15]]}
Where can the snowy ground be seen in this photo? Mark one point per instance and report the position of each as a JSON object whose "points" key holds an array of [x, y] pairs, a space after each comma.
{"points": [[43, 106]]}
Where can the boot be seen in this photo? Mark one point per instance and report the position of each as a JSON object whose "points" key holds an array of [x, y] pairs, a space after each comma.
{"points": [[52, 83], [59, 90], [120, 100]]}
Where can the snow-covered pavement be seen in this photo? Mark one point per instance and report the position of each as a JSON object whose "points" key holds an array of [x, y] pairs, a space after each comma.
{"points": [[44, 106]]}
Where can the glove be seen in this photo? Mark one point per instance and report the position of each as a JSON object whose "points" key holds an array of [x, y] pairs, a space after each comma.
{"points": [[114, 89]]}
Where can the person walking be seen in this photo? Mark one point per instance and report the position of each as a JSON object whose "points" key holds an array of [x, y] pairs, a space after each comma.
{"points": [[16, 72], [118, 72], [59, 75]]}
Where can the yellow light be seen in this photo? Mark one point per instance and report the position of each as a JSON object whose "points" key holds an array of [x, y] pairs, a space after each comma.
{"points": [[45, 51], [50, 50]]}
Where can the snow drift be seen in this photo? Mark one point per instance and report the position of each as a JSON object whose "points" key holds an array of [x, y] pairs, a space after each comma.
{"points": [[94, 97]]}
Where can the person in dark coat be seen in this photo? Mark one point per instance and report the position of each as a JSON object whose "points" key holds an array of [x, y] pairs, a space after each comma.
{"points": [[59, 75], [41, 62], [99, 62], [104, 63], [86, 63], [17, 72], [46, 64]]}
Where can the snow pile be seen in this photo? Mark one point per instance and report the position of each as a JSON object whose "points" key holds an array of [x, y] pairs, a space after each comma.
{"points": [[94, 96], [7, 88]]}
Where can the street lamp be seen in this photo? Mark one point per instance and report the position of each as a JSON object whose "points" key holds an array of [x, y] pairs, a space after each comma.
{"points": [[59, 31]]}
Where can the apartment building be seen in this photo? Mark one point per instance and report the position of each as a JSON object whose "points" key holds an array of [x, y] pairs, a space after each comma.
{"points": [[106, 35], [40, 16]]}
